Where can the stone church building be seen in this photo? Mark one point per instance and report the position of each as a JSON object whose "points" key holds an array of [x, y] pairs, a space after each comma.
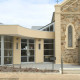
{"points": [[67, 31], [60, 39]]}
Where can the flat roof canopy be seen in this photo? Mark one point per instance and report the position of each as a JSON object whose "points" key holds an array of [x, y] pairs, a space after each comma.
{"points": [[16, 30]]}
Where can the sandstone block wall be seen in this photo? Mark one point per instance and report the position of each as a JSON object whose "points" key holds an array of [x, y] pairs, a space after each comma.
{"points": [[70, 15]]}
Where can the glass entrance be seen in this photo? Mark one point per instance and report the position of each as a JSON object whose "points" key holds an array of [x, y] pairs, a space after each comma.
{"points": [[27, 50], [48, 50], [6, 50]]}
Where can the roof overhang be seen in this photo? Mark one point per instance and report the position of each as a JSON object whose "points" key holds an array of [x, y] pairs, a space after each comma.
{"points": [[16, 30]]}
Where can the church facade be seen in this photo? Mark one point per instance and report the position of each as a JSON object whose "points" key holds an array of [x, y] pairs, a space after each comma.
{"points": [[67, 31], [58, 40]]}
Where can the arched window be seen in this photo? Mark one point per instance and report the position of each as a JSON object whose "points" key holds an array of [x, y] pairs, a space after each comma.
{"points": [[70, 36]]}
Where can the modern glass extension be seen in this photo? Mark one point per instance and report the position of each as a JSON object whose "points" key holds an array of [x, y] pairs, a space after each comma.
{"points": [[6, 50], [49, 28], [27, 50]]}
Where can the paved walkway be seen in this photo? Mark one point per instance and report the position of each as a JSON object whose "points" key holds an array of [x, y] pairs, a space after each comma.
{"points": [[48, 66], [38, 76]]}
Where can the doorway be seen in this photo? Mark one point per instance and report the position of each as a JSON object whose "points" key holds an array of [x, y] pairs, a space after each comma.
{"points": [[27, 50]]}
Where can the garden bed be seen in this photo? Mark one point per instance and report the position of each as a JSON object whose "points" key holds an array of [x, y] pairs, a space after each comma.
{"points": [[19, 69]]}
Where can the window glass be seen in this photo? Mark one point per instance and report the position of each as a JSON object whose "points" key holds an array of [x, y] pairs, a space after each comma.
{"points": [[8, 45], [23, 53], [24, 46], [27, 50], [24, 40], [31, 41], [17, 45], [0, 45], [31, 59], [8, 53], [8, 49], [39, 46], [51, 28], [47, 29], [31, 52], [48, 46], [24, 59], [8, 38], [0, 52], [31, 46], [48, 49], [48, 52], [0, 38], [70, 36], [48, 41], [7, 60]]}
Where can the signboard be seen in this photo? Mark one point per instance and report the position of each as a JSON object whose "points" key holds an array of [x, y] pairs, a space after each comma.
{"points": [[52, 58]]}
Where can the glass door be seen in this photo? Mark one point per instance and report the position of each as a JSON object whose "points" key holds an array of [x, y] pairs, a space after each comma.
{"points": [[8, 50], [27, 50], [31, 50]]}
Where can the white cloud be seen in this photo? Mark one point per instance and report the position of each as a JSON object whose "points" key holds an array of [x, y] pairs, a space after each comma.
{"points": [[25, 13]]}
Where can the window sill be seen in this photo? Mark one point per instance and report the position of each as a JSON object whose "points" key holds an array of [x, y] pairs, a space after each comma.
{"points": [[70, 47]]}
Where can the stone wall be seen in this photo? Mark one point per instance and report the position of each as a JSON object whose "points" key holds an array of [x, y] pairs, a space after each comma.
{"points": [[71, 7], [70, 55]]}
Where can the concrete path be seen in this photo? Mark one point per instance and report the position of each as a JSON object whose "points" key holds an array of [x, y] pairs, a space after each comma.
{"points": [[48, 66]]}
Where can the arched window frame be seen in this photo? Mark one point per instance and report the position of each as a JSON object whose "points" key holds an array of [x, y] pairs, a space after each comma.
{"points": [[73, 37]]}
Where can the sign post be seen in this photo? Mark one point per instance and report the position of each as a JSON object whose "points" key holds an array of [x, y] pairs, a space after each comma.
{"points": [[61, 65], [52, 59]]}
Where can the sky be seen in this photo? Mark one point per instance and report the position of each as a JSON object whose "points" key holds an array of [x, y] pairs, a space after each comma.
{"points": [[27, 13]]}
